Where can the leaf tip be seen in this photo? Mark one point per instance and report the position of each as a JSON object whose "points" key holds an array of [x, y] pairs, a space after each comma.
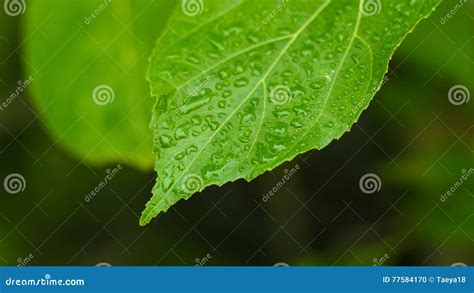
{"points": [[146, 217], [144, 221]]}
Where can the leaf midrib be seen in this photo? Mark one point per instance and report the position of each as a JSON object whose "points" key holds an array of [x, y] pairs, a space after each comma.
{"points": [[333, 82], [294, 36]]}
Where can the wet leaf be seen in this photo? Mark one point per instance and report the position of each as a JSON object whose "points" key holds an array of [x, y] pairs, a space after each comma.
{"points": [[242, 87]]}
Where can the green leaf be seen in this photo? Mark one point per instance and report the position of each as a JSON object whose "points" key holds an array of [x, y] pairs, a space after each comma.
{"points": [[88, 59], [242, 87]]}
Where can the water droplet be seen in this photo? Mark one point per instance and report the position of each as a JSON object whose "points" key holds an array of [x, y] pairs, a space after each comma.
{"points": [[166, 141], [241, 82]]}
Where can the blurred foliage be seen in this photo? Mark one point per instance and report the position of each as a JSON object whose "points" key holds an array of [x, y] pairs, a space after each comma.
{"points": [[101, 62], [441, 54], [411, 136]]}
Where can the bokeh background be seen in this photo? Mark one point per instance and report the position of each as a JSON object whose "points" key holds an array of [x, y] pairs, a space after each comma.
{"points": [[412, 137]]}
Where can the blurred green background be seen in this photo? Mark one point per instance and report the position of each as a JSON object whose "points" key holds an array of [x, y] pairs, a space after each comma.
{"points": [[415, 140]]}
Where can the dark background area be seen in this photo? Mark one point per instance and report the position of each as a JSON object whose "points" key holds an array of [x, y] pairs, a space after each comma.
{"points": [[411, 136]]}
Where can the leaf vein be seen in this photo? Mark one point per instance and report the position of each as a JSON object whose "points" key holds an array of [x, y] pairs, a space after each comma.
{"points": [[284, 50], [343, 60]]}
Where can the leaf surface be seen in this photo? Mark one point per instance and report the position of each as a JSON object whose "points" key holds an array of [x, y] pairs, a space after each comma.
{"points": [[88, 59], [242, 87]]}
